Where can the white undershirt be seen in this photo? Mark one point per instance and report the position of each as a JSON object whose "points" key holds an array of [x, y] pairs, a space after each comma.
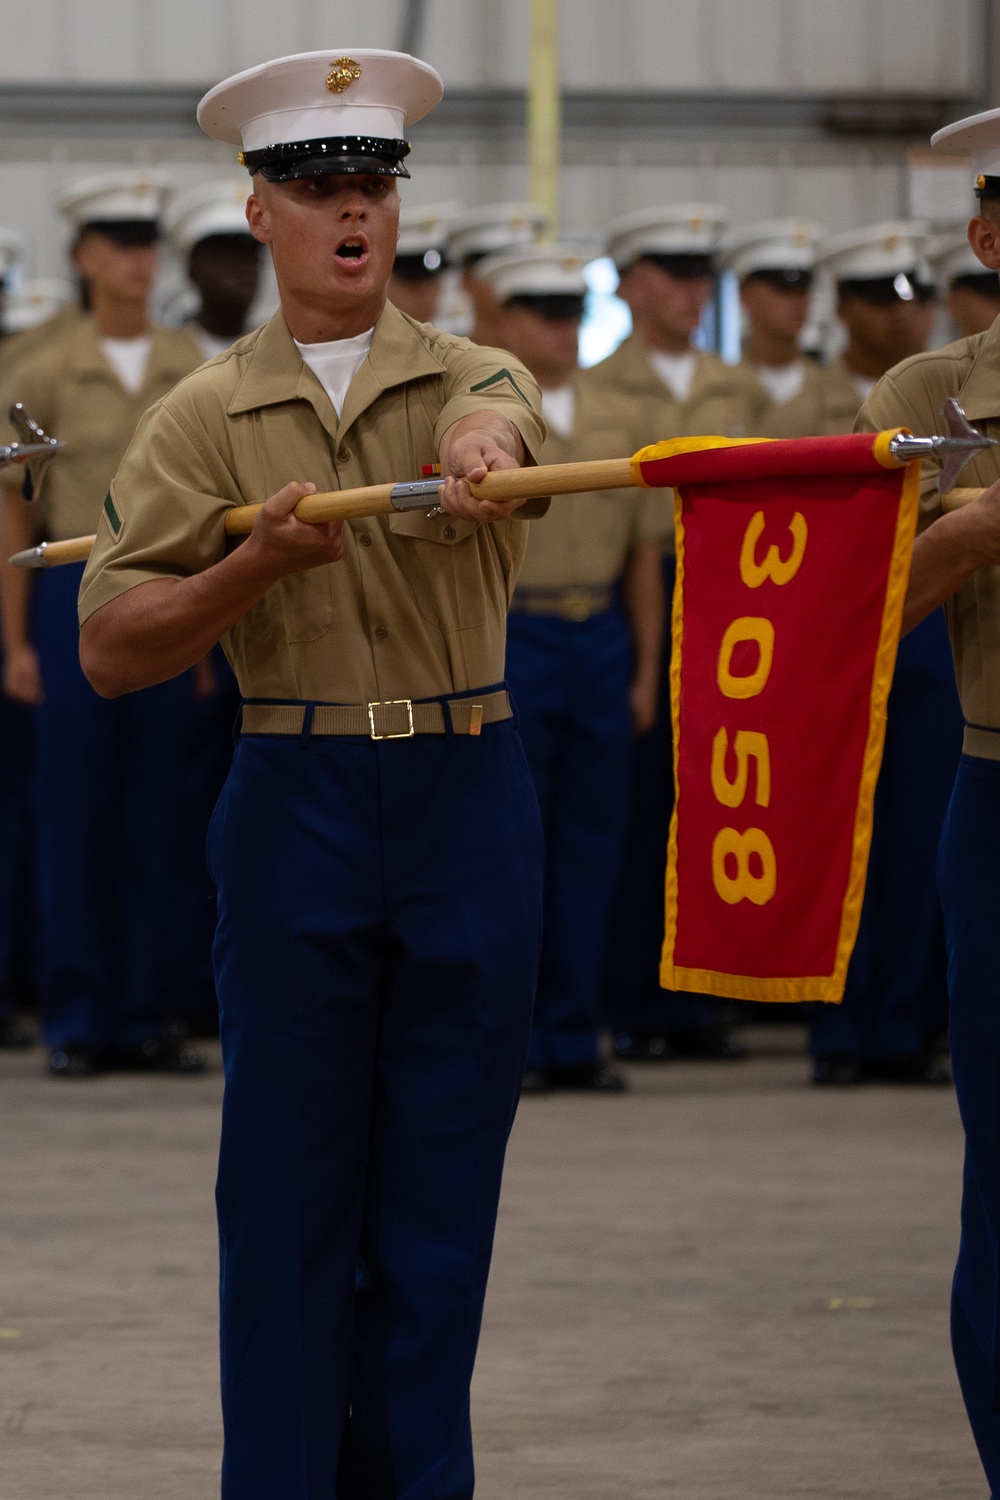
{"points": [[863, 385], [129, 358], [559, 408], [675, 370], [782, 382], [336, 363]]}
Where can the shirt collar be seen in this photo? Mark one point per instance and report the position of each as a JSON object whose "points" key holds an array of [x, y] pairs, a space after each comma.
{"points": [[980, 395], [276, 371]]}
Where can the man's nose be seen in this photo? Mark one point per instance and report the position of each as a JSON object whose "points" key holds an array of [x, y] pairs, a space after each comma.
{"points": [[354, 207]]}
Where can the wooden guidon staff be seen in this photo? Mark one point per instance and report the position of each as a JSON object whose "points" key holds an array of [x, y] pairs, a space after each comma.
{"points": [[644, 469]]}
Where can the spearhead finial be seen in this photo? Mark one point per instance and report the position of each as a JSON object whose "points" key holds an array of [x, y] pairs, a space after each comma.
{"points": [[961, 444]]}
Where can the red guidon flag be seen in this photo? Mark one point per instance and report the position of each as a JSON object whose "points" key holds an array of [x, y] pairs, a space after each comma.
{"points": [[792, 564]]}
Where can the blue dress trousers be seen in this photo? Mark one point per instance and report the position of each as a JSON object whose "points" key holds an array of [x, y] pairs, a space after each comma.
{"points": [[570, 680], [969, 872], [895, 994], [378, 940], [107, 783]]}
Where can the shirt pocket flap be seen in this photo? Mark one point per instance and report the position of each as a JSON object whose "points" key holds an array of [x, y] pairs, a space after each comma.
{"points": [[448, 530]]}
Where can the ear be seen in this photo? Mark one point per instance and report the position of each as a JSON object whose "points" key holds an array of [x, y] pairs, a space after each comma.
{"points": [[984, 237], [80, 254], [258, 218]]}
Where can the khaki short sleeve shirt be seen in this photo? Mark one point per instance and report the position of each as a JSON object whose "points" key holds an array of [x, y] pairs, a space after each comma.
{"points": [[912, 395], [724, 400], [586, 539], [71, 389], [417, 607], [825, 407]]}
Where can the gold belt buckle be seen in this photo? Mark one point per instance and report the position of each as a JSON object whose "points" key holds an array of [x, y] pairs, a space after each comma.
{"points": [[576, 605], [403, 734]]}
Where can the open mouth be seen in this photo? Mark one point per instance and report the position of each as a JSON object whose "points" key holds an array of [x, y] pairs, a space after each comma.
{"points": [[352, 251]]}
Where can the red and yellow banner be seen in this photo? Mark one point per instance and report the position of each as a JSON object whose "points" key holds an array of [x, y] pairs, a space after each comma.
{"points": [[792, 564]]}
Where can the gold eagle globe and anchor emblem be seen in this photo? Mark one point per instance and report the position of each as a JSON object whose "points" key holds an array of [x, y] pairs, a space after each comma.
{"points": [[342, 74]]}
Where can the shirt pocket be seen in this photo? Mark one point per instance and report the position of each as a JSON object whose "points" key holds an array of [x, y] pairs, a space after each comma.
{"points": [[442, 559], [307, 603]]}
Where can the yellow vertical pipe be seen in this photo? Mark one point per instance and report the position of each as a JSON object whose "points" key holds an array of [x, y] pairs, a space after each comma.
{"points": [[544, 112]]}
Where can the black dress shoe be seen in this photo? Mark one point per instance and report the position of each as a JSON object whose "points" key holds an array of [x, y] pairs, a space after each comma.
{"points": [[74, 1061], [919, 1068], [593, 1078], [641, 1046], [167, 1054], [16, 1031], [536, 1081], [840, 1069], [708, 1043]]}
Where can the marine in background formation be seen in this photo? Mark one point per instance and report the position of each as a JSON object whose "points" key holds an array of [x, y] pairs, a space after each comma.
{"points": [[208, 232], [956, 562], [895, 1002], [417, 281], [478, 232], [16, 832], [774, 263], [584, 637], [671, 388], [885, 303], [971, 293], [106, 774]]}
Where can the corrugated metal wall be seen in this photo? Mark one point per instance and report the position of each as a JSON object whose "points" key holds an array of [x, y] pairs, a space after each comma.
{"points": [[740, 101], [852, 46]]}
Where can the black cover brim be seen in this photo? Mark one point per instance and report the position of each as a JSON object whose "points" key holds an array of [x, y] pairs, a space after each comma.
{"points": [[328, 166], [329, 156]]}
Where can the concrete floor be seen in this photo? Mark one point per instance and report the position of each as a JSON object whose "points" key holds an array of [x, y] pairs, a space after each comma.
{"points": [[724, 1284]]}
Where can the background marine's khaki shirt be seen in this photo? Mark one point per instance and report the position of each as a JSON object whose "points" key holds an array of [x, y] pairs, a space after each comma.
{"points": [[417, 607], [72, 390], [825, 407], [724, 400], [15, 348], [911, 395], [586, 539]]}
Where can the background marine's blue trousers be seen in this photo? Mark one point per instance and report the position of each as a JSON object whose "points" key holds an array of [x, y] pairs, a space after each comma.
{"points": [[895, 994], [379, 930], [107, 778], [16, 903], [969, 871], [570, 681]]}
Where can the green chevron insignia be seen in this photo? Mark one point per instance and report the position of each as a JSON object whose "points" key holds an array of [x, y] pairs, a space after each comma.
{"points": [[500, 378], [114, 519]]}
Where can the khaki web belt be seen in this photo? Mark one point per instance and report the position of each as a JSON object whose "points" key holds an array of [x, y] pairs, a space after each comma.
{"points": [[578, 602], [396, 719], [981, 741]]}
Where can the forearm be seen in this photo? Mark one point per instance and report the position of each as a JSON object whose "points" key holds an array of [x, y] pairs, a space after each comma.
{"points": [[15, 583], [945, 556], [645, 606], [161, 628]]}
